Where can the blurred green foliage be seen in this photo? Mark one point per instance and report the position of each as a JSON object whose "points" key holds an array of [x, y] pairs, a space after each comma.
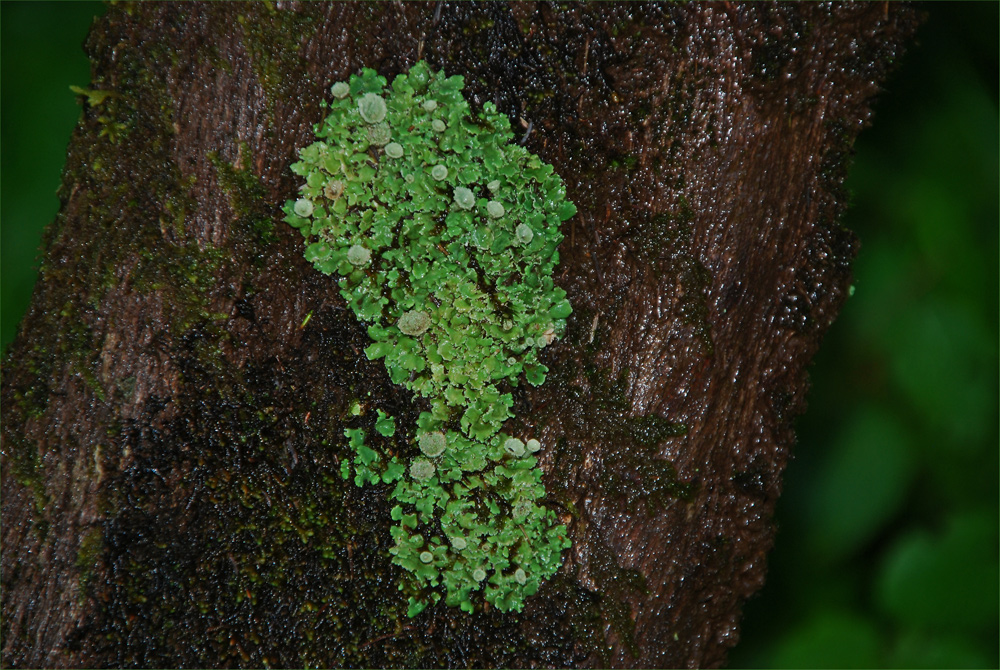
{"points": [[41, 56], [887, 552]]}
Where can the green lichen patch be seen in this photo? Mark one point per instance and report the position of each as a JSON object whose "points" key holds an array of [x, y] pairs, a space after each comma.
{"points": [[443, 235]]}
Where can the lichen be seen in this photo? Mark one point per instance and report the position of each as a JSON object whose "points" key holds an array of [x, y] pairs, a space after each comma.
{"points": [[462, 228]]}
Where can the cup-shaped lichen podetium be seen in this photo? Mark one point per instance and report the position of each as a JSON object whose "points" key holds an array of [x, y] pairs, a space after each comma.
{"points": [[443, 235]]}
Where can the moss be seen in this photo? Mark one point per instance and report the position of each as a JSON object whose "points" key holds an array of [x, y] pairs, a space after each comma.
{"points": [[69, 343], [210, 53], [113, 226], [185, 274], [93, 383], [99, 174], [262, 532], [624, 162], [782, 33], [247, 198], [258, 553], [27, 471], [568, 628], [633, 474], [660, 242], [595, 408], [32, 399], [617, 585], [273, 39], [87, 558]]}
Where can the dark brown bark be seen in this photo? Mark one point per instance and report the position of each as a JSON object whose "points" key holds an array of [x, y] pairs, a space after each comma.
{"points": [[172, 426]]}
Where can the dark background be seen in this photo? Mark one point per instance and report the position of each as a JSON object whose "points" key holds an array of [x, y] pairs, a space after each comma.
{"points": [[887, 552]]}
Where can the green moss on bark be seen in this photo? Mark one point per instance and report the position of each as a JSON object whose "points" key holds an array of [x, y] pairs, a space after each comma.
{"points": [[247, 198], [273, 39], [26, 468]]}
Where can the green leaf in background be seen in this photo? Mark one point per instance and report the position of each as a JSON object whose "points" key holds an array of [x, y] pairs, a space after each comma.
{"points": [[861, 484], [934, 649], [831, 640], [941, 363], [41, 56], [946, 580]]}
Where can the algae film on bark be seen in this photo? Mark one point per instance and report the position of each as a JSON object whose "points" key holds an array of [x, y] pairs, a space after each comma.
{"points": [[443, 235]]}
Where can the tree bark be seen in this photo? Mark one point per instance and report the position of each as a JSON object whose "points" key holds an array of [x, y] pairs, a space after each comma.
{"points": [[174, 403]]}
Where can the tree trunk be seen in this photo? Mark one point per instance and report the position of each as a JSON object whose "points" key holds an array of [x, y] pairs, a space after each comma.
{"points": [[174, 403]]}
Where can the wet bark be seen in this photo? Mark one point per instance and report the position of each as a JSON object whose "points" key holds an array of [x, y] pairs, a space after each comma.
{"points": [[175, 400]]}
